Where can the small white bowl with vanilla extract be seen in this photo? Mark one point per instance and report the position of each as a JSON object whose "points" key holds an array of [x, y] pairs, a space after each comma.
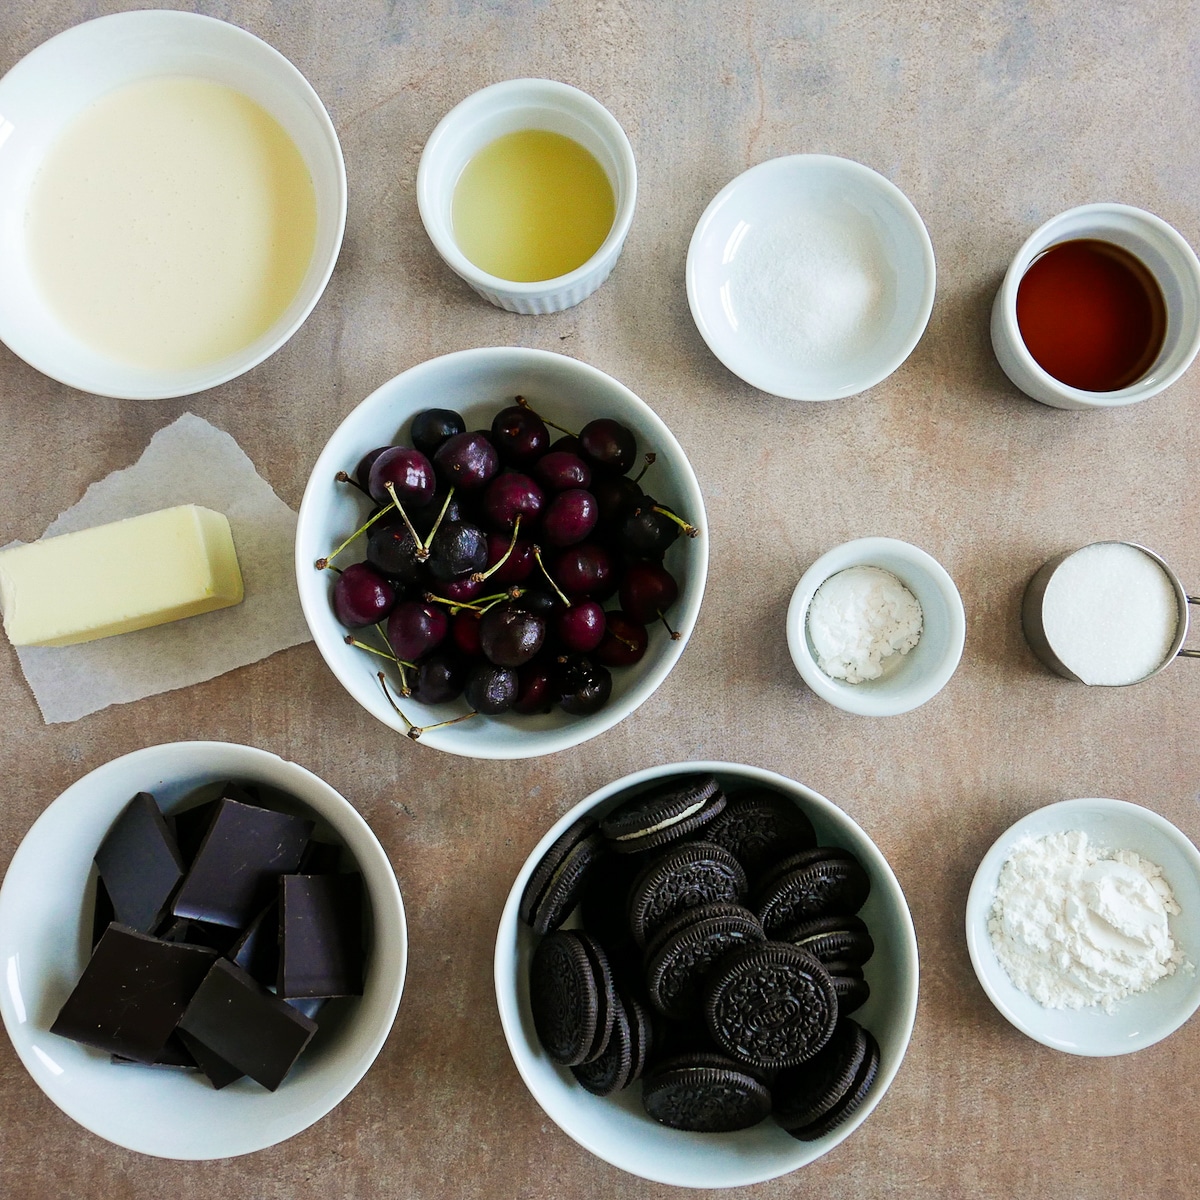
{"points": [[527, 190]]}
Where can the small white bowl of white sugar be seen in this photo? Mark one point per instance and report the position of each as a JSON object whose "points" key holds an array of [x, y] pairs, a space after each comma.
{"points": [[811, 277], [876, 627]]}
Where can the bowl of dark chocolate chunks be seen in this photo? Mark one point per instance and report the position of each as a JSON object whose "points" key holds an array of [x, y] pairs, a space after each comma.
{"points": [[210, 948]]}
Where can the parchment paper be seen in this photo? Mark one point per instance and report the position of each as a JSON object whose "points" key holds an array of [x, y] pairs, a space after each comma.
{"points": [[188, 462]]}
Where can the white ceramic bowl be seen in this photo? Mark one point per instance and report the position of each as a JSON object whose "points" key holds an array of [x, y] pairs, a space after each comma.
{"points": [[925, 669], [478, 383], [45, 938], [1139, 1020], [852, 200], [509, 107], [1147, 237], [51, 86], [616, 1128]]}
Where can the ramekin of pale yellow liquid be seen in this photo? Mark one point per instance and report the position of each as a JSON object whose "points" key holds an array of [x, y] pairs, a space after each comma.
{"points": [[172, 203], [527, 190]]}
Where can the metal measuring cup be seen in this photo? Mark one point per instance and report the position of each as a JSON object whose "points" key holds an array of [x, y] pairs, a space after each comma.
{"points": [[1035, 631]]}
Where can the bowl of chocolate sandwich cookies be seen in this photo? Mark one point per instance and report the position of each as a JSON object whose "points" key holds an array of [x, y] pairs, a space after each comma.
{"points": [[205, 949], [706, 974]]}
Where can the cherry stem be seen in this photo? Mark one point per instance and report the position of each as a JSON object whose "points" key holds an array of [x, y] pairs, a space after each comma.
{"points": [[350, 640], [415, 731], [651, 459], [479, 605], [480, 576], [422, 549], [675, 634], [323, 563], [529, 407], [537, 554], [345, 477], [436, 525], [690, 530]]}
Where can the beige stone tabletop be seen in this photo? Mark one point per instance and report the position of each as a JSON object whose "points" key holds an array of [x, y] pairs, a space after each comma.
{"points": [[991, 116]]}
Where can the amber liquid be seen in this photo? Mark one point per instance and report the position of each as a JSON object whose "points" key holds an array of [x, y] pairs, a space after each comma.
{"points": [[1092, 315]]}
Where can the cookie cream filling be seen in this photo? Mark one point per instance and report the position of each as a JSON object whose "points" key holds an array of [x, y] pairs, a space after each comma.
{"points": [[1075, 926], [666, 824]]}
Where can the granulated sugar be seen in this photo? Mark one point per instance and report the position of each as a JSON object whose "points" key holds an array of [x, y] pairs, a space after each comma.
{"points": [[1110, 613], [809, 288]]}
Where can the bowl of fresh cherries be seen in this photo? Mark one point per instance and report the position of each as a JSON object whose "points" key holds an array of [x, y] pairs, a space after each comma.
{"points": [[501, 552]]}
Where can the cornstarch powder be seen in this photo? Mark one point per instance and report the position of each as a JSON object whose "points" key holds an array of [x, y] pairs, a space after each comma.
{"points": [[1076, 927], [861, 621]]}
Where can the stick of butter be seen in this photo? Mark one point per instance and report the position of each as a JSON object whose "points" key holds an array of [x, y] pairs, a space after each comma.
{"points": [[142, 571]]}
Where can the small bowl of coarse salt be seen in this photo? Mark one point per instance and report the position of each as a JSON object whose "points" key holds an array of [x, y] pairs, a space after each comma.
{"points": [[876, 627], [1083, 926], [811, 277]]}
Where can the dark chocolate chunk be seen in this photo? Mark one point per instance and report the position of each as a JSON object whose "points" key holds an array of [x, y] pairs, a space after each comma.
{"points": [[140, 864], [132, 993], [320, 935], [198, 933], [190, 827], [234, 873], [102, 912], [220, 1073], [308, 1005], [245, 1025], [320, 858], [256, 951]]}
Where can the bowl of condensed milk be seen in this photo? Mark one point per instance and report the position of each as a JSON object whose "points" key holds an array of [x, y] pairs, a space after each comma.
{"points": [[172, 203]]}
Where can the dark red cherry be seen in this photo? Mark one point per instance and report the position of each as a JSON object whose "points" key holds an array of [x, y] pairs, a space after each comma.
{"points": [[583, 687], [624, 642], [391, 548], [467, 460], [647, 591], [581, 627], [559, 470], [415, 628], [510, 495], [457, 549], [518, 566], [609, 444], [569, 517], [491, 689], [510, 637], [585, 569], [363, 471], [520, 435], [409, 473], [433, 426], [464, 629], [535, 693], [362, 596], [441, 677], [615, 496]]}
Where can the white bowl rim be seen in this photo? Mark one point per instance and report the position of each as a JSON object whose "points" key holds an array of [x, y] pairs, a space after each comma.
{"points": [[507, 1003], [534, 88], [860, 552], [534, 743], [157, 20], [979, 902], [760, 175], [1135, 392], [76, 794]]}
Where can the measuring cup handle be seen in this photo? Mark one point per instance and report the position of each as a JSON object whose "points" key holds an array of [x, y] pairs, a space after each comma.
{"points": [[1181, 653]]}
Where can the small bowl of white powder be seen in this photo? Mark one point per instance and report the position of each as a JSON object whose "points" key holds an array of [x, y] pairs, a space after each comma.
{"points": [[876, 627], [811, 277], [1083, 926]]}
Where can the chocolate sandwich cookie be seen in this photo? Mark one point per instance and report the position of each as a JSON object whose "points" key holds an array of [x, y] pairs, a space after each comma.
{"points": [[770, 1006], [852, 989], [563, 996], [685, 949], [832, 939], [804, 1094], [760, 827], [667, 813], [624, 1058], [850, 1101], [683, 877], [558, 880], [704, 1094], [814, 883], [606, 995]]}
